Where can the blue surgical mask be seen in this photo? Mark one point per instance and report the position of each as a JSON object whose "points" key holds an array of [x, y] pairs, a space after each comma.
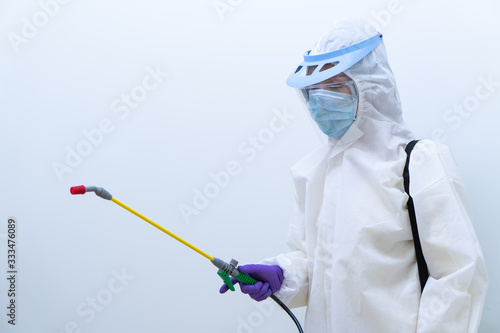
{"points": [[334, 112]]}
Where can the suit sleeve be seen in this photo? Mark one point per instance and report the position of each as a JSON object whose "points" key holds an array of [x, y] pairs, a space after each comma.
{"points": [[294, 290], [453, 298]]}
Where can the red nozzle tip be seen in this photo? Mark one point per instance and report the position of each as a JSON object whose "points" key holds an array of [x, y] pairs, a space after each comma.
{"points": [[77, 189]]}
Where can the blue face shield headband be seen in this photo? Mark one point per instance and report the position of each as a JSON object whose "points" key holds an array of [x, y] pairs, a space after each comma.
{"points": [[341, 60]]}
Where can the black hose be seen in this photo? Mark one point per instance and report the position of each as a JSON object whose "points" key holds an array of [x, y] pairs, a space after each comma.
{"points": [[290, 313]]}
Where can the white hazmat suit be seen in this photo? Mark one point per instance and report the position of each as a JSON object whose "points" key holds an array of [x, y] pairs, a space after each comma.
{"points": [[353, 260]]}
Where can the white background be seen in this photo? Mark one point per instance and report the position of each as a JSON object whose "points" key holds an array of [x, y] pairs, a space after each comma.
{"points": [[226, 81]]}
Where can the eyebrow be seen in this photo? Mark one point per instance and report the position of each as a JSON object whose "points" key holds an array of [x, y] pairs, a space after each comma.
{"points": [[340, 79]]}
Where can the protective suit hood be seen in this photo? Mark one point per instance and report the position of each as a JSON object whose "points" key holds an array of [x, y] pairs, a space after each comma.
{"points": [[379, 108]]}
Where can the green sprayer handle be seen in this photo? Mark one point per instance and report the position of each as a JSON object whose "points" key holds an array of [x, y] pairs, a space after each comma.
{"points": [[226, 279], [229, 269], [245, 279]]}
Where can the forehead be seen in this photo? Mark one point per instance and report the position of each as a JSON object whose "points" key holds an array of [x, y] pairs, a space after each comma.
{"points": [[339, 78]]}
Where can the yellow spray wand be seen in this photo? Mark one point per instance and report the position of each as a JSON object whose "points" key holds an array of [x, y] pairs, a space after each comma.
{"points": [[121, 204], [225, 269]]}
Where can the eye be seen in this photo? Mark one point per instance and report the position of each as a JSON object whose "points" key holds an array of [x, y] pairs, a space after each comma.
{"points": [[340, 89]]}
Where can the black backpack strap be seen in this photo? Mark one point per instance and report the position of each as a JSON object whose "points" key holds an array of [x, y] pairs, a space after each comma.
{"points": [[422, 265]]}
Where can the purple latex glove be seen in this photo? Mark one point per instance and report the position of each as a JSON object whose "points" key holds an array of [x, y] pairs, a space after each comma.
{"points": [[270, 278]]}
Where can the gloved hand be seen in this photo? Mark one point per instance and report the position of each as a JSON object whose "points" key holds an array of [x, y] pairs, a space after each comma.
{"points": [[270, 278]]}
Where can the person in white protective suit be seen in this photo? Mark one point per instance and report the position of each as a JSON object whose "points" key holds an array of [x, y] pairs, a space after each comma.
{"points": [[353, 258]]}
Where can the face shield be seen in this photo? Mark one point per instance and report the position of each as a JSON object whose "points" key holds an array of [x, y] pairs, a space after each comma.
{"points": [[345, 87], [331, 96]]}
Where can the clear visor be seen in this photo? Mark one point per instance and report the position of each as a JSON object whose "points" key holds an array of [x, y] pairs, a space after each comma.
{"points": [[346, 87]]}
